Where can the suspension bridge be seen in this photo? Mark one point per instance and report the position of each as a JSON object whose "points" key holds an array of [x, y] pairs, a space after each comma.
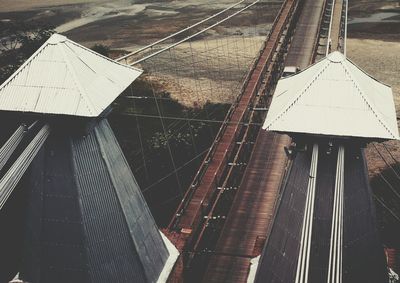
{"points": [[253, 212]]}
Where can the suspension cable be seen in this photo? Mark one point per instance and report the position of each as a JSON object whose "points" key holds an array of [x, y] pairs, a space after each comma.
{"points": [[194, 119], [389, 185], [345, 28], [328, 45], [391, 155], [194, 35], [179, 32], [175, 171], [160, 116], [146, 171], [386, 162], [387, 208]]}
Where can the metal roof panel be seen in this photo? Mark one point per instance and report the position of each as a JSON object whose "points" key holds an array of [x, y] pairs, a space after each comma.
{"points": [[333, 97], [59, 72]]}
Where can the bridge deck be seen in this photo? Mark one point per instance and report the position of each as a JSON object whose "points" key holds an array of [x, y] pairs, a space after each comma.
{"points": [[336, 25], [246, 228], [215, 168], [251, 214], [301, 50]]}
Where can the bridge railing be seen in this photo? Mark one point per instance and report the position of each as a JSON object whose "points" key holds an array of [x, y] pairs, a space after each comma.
{"points": [[288, 166], [241, 153], [210, 154]]}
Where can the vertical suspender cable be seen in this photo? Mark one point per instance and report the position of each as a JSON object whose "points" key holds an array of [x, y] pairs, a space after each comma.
{"points": [[179, 32], [12, 177], [328, 45], [336, 243], [345, 29], [195, 34], [181, 93], [166, 139], [146, 171], [306, 233], [11, 144]]}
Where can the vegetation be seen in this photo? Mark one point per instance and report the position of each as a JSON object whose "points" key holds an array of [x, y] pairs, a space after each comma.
{"points": [[385, 187], [136, 123], [101, 49], [18, 41]]}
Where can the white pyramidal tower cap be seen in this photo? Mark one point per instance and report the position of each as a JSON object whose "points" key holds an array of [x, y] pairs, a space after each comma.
{"points": [[333, 97], [63, 77]]}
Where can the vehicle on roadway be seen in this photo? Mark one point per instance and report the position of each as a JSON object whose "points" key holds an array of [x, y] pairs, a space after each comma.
{"points": [[290, 71]]}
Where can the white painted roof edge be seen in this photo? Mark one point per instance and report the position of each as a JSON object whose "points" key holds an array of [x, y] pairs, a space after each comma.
{"points": [[341, 59], [372, 77], [303, 70], [104, 57], [253, 269], [173, 256], [370, 104], [292, 101], [51, 42], [37, 52], [332, 135], [347, 59], [56, 39]]}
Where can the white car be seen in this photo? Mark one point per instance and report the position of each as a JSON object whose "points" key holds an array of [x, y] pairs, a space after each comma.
{"points": [[290, 71]]}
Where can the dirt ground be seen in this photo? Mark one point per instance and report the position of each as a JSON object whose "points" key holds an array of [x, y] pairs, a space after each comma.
{"points": [[127, 23], [210, 70], [381, 60], [214, 72], [24, 5]]}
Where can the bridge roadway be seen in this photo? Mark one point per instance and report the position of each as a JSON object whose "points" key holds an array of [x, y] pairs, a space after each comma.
{"points": [[251, 214], [336, 26], [196, 200]]}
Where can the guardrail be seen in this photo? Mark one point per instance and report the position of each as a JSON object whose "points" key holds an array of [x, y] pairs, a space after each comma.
{"points": [[240, 153], [210, 154], [286, 175]]}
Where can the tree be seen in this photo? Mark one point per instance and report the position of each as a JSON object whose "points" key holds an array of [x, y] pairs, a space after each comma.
{"points": [[18, 41], [101, 49]]}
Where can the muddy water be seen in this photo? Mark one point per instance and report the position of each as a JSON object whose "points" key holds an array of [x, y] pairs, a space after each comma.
{"points": [[387, 17], [102, 12]]}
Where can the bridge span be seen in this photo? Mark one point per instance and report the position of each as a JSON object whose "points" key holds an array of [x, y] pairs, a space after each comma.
{"points": [[224, 219], [257, 194], [324, 228]]}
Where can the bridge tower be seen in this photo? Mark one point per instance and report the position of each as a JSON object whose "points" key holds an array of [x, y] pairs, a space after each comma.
{"points": [[325, 227], [86, 219]]}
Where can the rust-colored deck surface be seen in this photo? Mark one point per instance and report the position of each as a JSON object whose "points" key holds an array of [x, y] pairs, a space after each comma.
{"points": [[251, 212], [254, 204], [192, 213]]}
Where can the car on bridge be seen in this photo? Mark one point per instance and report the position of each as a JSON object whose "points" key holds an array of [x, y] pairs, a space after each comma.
{"points": [[290, 71]]}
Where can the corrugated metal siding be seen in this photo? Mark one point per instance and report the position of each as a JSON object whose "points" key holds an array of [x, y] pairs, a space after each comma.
{"points": [[63, 77], [363, 255], [279, 259], [87, 219], [55, 250], [333, 97], [12, 221], [147, 239], [111, 253], [320, 240]]}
